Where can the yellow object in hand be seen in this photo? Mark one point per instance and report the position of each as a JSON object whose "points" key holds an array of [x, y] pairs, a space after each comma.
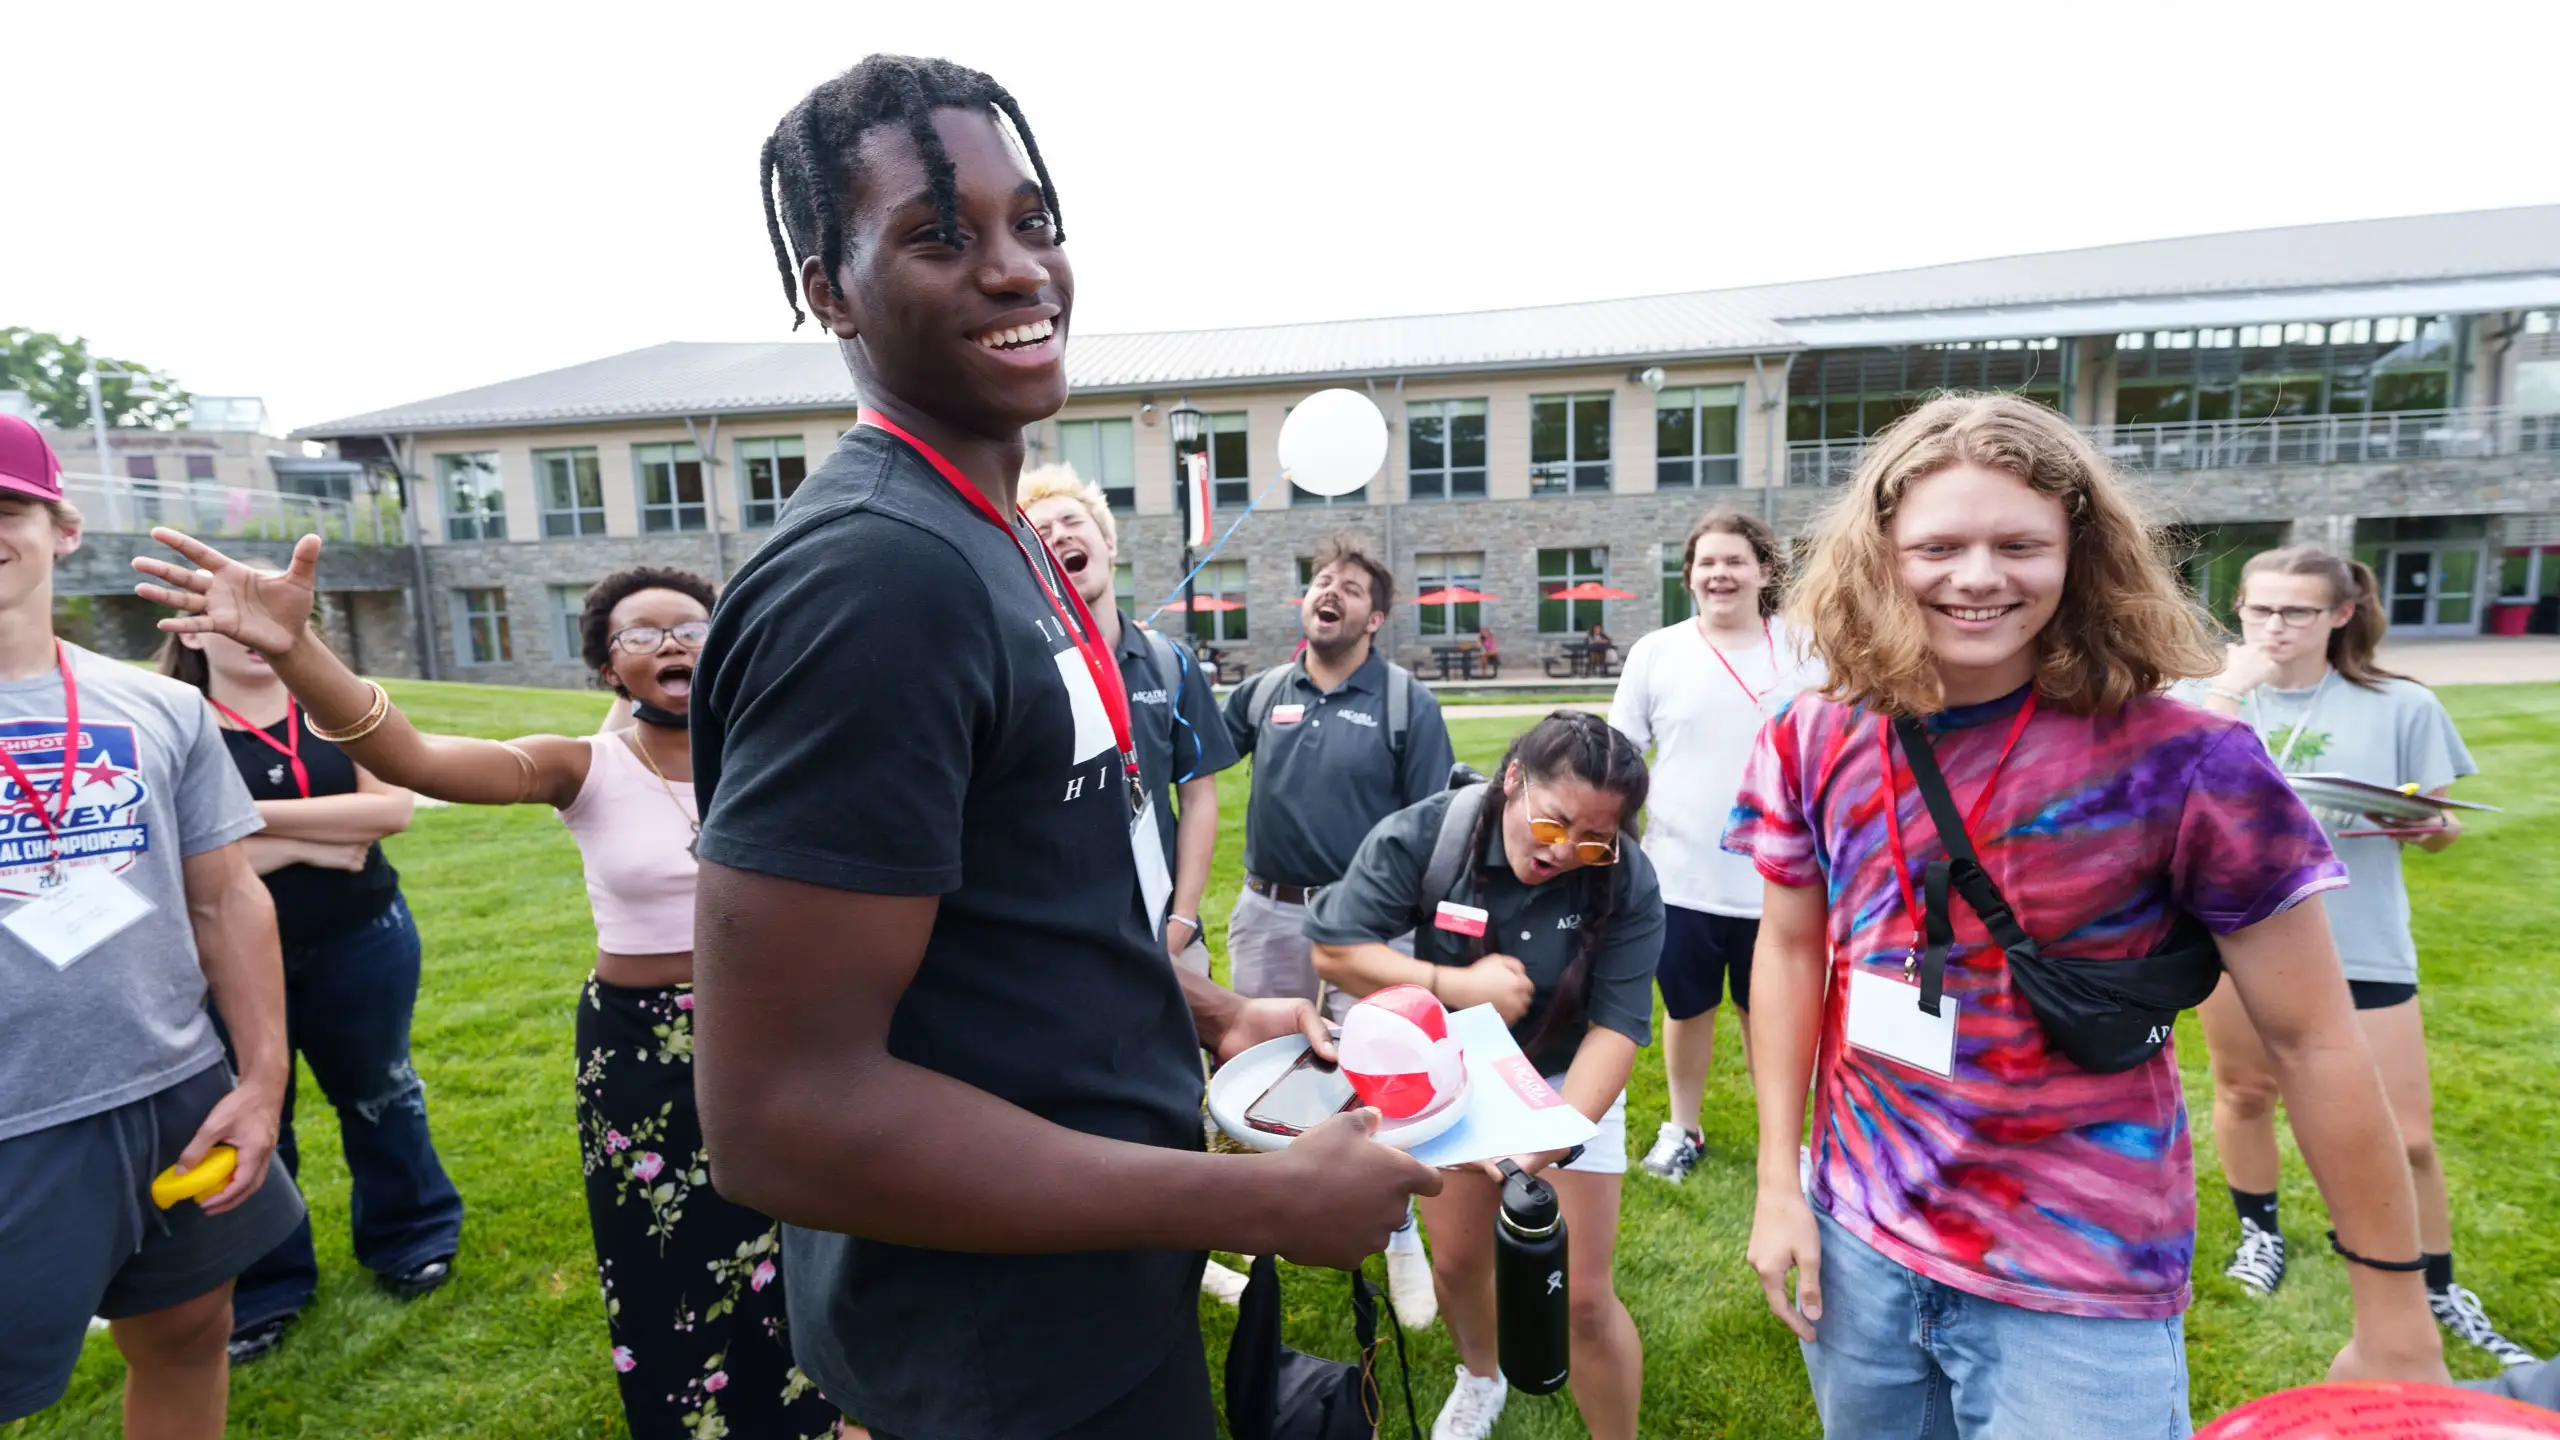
{"points": [[211, 1174], [2409, 789]]}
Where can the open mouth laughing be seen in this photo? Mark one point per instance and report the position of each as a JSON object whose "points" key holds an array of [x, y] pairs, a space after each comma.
{"points": [[1326, 609], [1036, 339], [676, 679]]}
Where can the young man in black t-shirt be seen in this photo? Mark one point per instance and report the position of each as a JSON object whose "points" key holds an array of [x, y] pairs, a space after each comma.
{"points": [[935, 1031]]}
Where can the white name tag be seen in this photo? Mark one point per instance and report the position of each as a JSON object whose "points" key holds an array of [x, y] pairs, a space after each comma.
{"points": [[70, 920], [1288, 714], [1885, 1017], [1155, 883], [1461, 919]]}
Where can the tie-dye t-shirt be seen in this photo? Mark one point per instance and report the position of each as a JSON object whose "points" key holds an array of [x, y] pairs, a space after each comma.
{"points": [[2024, 1178]]}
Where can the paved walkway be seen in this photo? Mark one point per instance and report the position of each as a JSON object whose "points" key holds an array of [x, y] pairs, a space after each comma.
{"points": [[2473, 660]]}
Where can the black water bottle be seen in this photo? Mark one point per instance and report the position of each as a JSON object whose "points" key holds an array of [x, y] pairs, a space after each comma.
{"points": [[1529, 1295]]}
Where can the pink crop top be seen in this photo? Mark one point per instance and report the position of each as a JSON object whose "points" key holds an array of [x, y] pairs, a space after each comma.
{"points": [[637, 847]]}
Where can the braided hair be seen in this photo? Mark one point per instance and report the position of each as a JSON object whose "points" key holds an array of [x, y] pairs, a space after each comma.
{"points": [[1580, 744], [807, 166]]}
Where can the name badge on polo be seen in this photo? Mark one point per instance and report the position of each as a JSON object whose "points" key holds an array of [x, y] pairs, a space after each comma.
{"points": [[1460, 919], [1288, 714]]}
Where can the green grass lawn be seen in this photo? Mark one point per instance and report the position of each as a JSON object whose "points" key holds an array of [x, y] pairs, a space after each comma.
{"points": [[516, 1345]]}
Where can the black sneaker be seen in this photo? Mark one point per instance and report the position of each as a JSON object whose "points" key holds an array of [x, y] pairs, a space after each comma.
{"points": [[2259, 1263], [1674, 1154], [258, 1341], [419, 1280], [2458, 1310]]}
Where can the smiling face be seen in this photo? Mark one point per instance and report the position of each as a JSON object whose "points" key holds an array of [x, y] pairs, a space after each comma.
{"points": [[1588, 813], [1082, 549], [1983, 554], [973, 334], [1726, 575], [2287, 643], [30, 543], [664, 676], [1340, 610]]}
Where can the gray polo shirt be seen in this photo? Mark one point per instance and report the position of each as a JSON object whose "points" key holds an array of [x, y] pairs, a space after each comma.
{"points": [[1381, 896], [1326, 774], [1174, 720]]}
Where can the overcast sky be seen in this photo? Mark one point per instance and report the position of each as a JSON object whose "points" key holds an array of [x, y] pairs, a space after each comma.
{"points": [[342, 207]]}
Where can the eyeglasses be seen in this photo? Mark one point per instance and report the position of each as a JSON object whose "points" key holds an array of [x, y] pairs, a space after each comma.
{"points": [[1556, 832], [646, 639], [2294, 616]]}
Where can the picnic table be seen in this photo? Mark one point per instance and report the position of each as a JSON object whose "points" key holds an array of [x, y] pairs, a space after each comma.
{"points": [[1461, 656], [1581, 659], [1214, 660]]}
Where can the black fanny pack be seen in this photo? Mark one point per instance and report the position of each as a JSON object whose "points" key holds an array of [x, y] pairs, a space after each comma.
{"points": [[2106, 1015]]}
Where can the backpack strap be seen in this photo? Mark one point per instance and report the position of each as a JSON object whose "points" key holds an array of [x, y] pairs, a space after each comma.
{"points": [[1263, 693], [1171, 661], [1963, 869], [1449, 851], [1400, 683]]}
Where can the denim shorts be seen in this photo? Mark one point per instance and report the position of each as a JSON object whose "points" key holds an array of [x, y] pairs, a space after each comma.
{"points": [[1899, 1356]]}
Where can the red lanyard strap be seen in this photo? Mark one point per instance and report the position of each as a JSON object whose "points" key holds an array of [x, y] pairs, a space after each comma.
{"points": [[27, 793], [290, 747], [1770, 640], [1893, 820], [1072, 614]]}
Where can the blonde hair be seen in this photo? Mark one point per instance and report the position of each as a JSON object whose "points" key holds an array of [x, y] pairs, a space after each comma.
{"points": [[1059, 482], [2125, 625], [66, 516], [2351, 645]]}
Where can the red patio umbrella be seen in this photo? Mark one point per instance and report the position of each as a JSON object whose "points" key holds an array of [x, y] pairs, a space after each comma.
{"points": [[1453, 595], [1205, 605], [1589, 590]]}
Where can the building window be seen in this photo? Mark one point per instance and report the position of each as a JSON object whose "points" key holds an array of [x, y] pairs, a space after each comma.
{"points": [[569, 491], [1124, 585], [568, 602], [1569, 444], [770, 470], [670, 488], [475, 508], [1847, 394], [1444, 449], [1104, 453], [1444, 571], [1697, 437], [142, 467], [199, 469], [2273, 372], [1677, 603], [1230, 471], [480, 634], [1562, 570], [1220, 580]]}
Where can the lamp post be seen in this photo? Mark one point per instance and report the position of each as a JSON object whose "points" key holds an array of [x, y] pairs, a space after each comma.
{"points": [[1183, 423], [97, 387]]}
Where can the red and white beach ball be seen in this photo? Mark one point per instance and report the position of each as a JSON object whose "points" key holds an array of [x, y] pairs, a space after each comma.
{"points": [[1396, 1050]]}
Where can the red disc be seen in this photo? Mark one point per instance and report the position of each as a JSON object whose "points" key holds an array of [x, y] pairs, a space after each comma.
{"points": [[2399, 1411]]}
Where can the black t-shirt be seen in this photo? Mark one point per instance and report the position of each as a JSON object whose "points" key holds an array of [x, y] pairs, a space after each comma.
{"points": [[312, 904], [888, 704]]}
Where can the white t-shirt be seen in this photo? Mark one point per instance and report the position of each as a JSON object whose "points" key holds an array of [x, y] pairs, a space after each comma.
{"points": [[1678, 698]]}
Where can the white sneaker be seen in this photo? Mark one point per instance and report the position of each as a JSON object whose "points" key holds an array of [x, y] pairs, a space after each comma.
{"points": [[1228, 1285], [1673, 1154], [2458, 1310], [1409, 1286], [2259, 1262], [1473, 1407]]}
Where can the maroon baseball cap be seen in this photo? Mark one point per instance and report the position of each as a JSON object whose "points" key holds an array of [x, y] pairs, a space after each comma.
{"points": [[27, 463]]}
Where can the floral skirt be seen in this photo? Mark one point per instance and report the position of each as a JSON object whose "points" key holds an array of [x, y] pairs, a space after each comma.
{"points": [[692, 1284]]}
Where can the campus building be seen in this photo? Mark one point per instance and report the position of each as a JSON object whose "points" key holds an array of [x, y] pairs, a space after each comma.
{"points": [[2388, 386]]}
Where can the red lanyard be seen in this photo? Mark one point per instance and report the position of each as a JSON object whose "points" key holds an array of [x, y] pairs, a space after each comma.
{"points": [[1771, 640], [70, 761], [1080, 628], [290, 747], [1893, 801]]}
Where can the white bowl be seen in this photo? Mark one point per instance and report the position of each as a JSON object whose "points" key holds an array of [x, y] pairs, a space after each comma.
{"points": [[1242, 1080]]}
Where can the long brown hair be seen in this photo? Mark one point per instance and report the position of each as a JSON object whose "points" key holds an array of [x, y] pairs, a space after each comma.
{"points": [[181, 661], [2125, 626], [2351, 645], [1755, 533]]}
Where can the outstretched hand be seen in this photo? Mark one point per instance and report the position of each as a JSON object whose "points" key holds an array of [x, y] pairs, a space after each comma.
{"points": [[265, 610]]}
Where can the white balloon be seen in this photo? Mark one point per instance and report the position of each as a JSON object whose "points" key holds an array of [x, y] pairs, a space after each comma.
{"points": [[1334, 442]]}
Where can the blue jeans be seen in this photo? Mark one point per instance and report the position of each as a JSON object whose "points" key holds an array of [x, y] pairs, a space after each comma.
{"points": [[348, 1000], [1900, 1355]]}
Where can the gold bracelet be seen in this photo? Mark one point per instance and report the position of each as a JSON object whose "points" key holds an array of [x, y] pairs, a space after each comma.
{"points": [[526, 771], [371, 722]]}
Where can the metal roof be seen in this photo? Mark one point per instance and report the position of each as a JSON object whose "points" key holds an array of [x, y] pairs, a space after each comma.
{"points": [[2415, 264]]}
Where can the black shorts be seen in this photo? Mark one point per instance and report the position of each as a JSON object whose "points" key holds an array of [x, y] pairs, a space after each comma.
{"points": [[2382, 994], [79, 1235], [1703, 953]]}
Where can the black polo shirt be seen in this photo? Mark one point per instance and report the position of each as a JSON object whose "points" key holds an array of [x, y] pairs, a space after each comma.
{"points": [[1321, 780], [888, 704], [1381, 896], [1174, 714]]}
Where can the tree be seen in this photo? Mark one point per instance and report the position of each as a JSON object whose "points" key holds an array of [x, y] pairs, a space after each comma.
{"points": [[52, 369]]}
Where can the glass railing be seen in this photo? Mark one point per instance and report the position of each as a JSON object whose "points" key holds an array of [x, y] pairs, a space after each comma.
{"points": [[114, 504], [2288, 440]]}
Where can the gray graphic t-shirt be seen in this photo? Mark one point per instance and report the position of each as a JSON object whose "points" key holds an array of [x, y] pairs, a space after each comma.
{"points": [[2390, 736], [151, 784]]}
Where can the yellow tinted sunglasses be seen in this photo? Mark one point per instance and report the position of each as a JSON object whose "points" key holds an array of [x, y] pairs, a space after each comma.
{"points": [[1589, 852]]}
